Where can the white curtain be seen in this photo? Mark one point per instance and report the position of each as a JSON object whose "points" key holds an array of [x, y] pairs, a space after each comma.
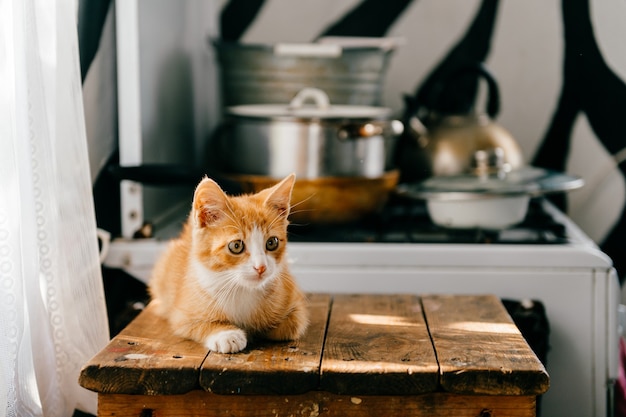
{"points": [[52, 309]]}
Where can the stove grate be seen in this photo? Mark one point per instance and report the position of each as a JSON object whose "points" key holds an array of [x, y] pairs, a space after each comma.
{"points": [[407, 221]]}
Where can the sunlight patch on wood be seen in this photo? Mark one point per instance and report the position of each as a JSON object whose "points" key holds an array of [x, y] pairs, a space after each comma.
{"points": [[375, 319], [483, 327]]}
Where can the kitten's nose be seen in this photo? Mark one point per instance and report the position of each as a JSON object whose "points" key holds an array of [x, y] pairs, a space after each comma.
{"points": [[260, 269]]}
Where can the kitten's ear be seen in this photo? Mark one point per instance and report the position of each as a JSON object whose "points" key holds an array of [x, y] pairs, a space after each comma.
{"points": [[209, 202], [279, 196]]}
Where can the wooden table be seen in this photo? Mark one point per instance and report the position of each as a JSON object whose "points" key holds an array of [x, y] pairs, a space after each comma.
{"points": [[363, 355]]}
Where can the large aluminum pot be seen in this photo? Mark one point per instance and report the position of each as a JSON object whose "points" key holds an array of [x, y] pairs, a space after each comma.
{"points": [[273, 74], [313, 140]]}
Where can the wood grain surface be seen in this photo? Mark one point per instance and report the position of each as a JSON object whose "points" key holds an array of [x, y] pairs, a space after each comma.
{"points": [[145, 358], [435, 355], [314, 404], [378, 345], [272, 367], [480, 350]]}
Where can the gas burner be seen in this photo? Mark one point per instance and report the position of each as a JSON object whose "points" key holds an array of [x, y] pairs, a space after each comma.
{"points": [[407, 221]]}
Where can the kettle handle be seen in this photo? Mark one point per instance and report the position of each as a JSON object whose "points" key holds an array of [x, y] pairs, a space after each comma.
{"points": [[438, 90], [479, 69]]}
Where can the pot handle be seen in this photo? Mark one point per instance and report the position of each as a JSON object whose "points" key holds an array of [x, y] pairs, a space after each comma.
{"points": [[170, 175], [386, 129], [319, 98]]}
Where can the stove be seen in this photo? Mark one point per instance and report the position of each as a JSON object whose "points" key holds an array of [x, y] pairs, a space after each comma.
{"points": [[546, 259], [407, 221]]}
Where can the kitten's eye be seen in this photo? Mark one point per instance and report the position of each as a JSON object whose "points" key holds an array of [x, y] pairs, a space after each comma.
{"points": [[236, 246], [272, 243]]}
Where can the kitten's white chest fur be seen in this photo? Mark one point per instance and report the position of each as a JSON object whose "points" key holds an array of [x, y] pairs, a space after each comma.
{"points": [[238, 302], [242, 305]]}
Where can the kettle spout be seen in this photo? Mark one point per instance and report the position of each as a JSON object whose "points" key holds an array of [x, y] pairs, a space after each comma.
{"points": [[418, 131], [412, 112]]}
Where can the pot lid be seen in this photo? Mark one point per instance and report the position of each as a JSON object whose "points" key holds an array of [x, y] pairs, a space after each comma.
{"points": [[320, 108], [523, 181]]}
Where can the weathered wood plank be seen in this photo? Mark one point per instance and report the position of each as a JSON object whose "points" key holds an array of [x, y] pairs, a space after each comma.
{"points": [[203, 404], [272, 367], [378, 345], [480, 350], [145, 358]]}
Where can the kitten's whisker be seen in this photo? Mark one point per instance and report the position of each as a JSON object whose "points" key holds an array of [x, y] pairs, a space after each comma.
{"points": [[302, 201], [227, 286], [234, 216], [232, 219], [275, 219], [291, 209], [302, 211]]}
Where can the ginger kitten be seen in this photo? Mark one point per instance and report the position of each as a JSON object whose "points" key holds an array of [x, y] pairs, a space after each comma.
{"points": [[225, 278]]}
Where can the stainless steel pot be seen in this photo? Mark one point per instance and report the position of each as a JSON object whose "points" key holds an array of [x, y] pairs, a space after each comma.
{"points": [[313, 140]]}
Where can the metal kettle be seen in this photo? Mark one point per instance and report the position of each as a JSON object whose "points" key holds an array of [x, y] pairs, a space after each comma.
{"points": [[437, 142]]}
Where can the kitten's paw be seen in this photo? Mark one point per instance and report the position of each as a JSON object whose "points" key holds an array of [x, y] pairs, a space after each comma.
{"points": [[227, 341]]}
